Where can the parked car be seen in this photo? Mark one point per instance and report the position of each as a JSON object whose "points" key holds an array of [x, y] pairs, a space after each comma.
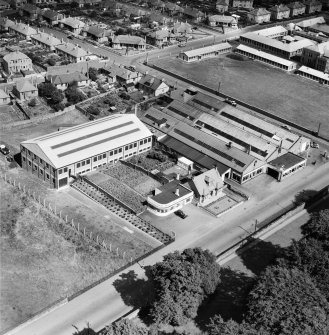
{"points": [[181, 214], [4, 149], [314, 145], [286, 127], [230, 101]]}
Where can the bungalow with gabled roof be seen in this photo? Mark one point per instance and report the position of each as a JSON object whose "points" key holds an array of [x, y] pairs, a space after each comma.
{"points": [[72, 24], [296, 8], [222, 6], [128, 41], [46, 41], [24, 90], [73, 52], [62, 81]]}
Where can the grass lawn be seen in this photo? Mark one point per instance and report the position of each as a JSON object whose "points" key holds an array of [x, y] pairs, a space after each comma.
{"points": [[8, 114], [287, 95]]}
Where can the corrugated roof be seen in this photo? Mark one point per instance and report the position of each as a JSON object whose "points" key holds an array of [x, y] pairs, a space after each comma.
{"points": [[313, 72], [77, 143], [205, 50], [266, 55], [287, 161]]}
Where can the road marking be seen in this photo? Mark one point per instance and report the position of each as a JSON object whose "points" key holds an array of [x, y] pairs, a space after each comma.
{"points": [[128, 230]]}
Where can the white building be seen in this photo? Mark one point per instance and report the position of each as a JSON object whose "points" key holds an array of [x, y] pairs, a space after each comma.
{"points": [[58, 156], [205, 52]]}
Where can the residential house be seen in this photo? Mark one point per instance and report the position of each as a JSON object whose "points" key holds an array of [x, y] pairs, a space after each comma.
{"points": [[313, 6], [113, 7], [317, 57], [222, 21], [207, 187], [88, 3], [29, 11], [194, 14], [279, 12], [49, 42], [172, 8], [259, 15], [73, 25], [4, 98], [43, 2], [156, 19], [222, 6], [72, 52], [16, 61], [182, 29], [98, 34], [152, 85], [24, 90], [17, 3], [51, 17], [161, 38], [128, 41], [4, 5], [296, 8], [242, 3], [62, 81], [22, 30], [5, 23]]}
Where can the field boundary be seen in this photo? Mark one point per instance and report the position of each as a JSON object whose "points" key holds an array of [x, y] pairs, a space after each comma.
{"points": [[240, 102]]}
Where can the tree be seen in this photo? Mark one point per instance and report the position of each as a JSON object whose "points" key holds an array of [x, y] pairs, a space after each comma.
{"points": [[124, 327], [93, 110], [181, 282], [93, 72], [73, 95], [286, 301], [51, 61], [56, 96], [33, 102], [318, 227], [46, 89]]}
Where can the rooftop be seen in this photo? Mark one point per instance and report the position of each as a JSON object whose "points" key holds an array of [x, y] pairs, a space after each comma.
{"points": [[25, 86], [208, 181], [221, 18], [208, 49], [76, 143], [5, 22], [67, 78], [259, 12], [296, 5], [310, 22], [51, 14], [71, 49], [73, 23], [182, 111], [23, 29], [315, 73], [151, 82], [46, 39], [268, 32], [279, 8], [287, 161], [3, 94], [128, 39], [16, 55]]}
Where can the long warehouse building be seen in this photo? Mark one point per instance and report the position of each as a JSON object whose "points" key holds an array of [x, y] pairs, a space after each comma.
{"points": [[58, 157]]}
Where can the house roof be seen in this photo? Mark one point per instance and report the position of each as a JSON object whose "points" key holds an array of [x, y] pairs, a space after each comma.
{"points": [[268, 32], [193, 12], [287, 161], [313, 3], [52, 15], [266, 55], [71, 22], [208, 181], [208, 49], [279, 8], [3, 94], [77, 143], [23, 29], [321, 47], [160, 34], [67, 78], [221, 3], [46, 39], [296, 5], [25, 86], [310, 22], [72, 50], [4, 22], [128, 39], [16, 55], [315, 73], [259, 12], [98, 31], [172, 6], [221, 18], [32, 9], [168, 192], [151, 82], [182, 28]]}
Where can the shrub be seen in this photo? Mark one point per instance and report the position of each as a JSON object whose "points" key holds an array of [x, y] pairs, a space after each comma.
{"points": [[93, 110], [59, 107], [51, 61], [33, 102]]}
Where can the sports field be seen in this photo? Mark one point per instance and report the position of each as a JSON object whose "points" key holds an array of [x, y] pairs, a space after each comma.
{"points": [[289, 96]]}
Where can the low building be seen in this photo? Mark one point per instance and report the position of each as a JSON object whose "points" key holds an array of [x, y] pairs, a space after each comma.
{"points": [[153, 86], [98, 34], [72, 52], [259, 15], [22, 30], [267, 58], [276, 32], [4, 5], [172, 8], [62, 81], [309, 73], [51, 17], [321, 28], [16, 61], [317, 57], [169, 198], [310, 22], [222, 21], [248, 4], [57, 157], [4, 98], [205, 52], [222, 6], [120, 74], [73, 25], [24, 90], [285, 165], [194, 14], [127, 41], [182, 29], [43, 2], [17, 3], [161, 38], [29, 11], [5, 23], [296, 8], [279, 12], [208, 187], [46, 41], [185, 163], [313, 6]]}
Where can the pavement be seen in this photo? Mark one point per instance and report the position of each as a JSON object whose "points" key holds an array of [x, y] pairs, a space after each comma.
{"points": [[103, 304]]}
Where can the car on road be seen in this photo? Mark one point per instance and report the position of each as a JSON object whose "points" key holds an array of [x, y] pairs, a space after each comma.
{"points": [[315, 145], [230, 101], [4, 149], [286, 127], [181, 214]]}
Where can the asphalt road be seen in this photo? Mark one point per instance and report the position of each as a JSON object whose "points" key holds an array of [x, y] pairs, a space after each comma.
{"points": [[103, 304]]}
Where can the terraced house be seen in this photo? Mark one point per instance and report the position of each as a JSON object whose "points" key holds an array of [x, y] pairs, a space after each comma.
{"points": [[279, 12], [313, 6], [259, 15], [57, 157], [45, 41], [16, 61], [72, 52], [296, 8]]}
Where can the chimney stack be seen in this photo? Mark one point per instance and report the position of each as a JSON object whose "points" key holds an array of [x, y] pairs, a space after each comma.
{"points": [[177, 192], [177, 176]]}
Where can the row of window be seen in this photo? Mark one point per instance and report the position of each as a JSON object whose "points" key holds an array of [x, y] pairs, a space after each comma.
{"points": [[252, 174]]}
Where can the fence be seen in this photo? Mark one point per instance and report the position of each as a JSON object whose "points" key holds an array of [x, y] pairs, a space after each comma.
{"points": [[242, 103]]}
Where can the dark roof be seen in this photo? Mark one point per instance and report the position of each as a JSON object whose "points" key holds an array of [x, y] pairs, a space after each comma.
{"points": [[31, 8], [68, 78], [206, 103], [52, 15], [168, 190], [150, 82], [287, 161]]}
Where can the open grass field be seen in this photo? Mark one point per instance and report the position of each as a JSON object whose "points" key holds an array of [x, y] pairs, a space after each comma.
{"points": [[287, 95]]}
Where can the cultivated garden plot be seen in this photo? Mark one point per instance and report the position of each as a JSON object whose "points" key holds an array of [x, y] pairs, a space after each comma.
{"points": [[153, 160]]}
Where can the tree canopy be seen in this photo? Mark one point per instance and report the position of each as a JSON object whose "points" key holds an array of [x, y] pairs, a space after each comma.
{"points": [[286, 301], [124, 327], [181, 282], [46, 89]]}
